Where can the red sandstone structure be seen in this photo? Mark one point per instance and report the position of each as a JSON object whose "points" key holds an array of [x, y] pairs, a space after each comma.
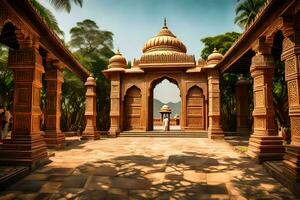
{"points": [[35, 50], [164, 57]]}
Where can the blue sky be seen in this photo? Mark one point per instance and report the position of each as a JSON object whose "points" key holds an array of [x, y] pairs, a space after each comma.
{"points": [[133, 22]]}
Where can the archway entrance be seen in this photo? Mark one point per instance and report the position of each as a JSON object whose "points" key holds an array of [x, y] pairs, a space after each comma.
{"points": [[165, 91], [135, 105]]}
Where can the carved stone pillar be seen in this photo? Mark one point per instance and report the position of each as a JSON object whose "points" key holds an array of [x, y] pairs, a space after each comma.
{"points": [[214, 114], [53, 135], [291, 57], [264, 143], [115, 102], [90, 131], [242, 104], [27, 146]]}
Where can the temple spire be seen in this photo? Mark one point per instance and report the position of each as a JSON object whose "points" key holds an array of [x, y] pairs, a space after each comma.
{"points": [[165, 23]]}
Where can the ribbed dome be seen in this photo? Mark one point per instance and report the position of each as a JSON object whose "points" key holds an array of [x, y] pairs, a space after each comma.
{"points": [[117, 61], [165, 109], [215, 57], [165, 41]]}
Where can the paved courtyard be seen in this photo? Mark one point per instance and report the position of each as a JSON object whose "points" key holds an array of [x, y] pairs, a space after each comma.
{"points": [[148, 168]]}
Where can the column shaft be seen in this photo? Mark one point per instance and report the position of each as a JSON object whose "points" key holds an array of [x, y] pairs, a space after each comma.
{"points": [[264, 143], [115, 104], [27, 146], [53, 135], [214, 116], [90, 131], [290, 56], [242, 105]]}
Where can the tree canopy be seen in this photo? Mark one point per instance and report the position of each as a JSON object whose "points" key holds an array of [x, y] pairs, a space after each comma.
{"points": [[221, 42], [246, 11], [87, 39]]}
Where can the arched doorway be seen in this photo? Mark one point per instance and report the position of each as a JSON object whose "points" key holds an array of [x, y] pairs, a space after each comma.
{"points": [[195, 108], [132, 108], [164, 91]]}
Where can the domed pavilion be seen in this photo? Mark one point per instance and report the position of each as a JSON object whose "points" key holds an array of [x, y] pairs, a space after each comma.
{"points": [[164, 57]]}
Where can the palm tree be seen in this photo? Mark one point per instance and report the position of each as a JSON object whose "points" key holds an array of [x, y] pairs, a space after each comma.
{"points": [[246, 11], [48, 16]]}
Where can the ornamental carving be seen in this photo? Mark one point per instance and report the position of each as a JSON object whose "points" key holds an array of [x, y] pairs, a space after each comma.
{"points": [[293, 92], [287, 43], [290, 66], [259, 98], [22, 57], [258, 81], [295, 126], [167, 58]]}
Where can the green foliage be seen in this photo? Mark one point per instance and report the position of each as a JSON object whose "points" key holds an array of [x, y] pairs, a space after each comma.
{"points": [[228, 102], [221, 42], [93, 47], [48, 16], [65, 5], [73, 98], [280, 96], [87, 39], [246, 11], [6, 80]]}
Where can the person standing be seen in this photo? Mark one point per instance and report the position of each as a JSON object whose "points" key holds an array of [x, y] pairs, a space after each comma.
{"points": [[5, 123], [166, 123]]}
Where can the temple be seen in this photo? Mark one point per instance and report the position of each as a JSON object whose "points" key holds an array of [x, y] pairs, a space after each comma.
{"points": [[164, 57]]}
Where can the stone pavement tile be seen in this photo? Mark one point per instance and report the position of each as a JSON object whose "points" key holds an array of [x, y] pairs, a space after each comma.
{"points": [[9, 195], [93, 195], [27, 186], [68, 193], [28, 196], [193, 176], [57, 177], [50, 187], [155, 178], [105, 171], [44, 196], [215, 189], [117, 194], [75, 181], [130, 183], [98, 183], [143, 194], [55, 170], [36, 176], [173, 176], [212, 197], [213, 178]]}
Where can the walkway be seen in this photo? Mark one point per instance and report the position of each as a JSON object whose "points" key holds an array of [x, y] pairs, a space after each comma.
{"points": [[148, 168]]}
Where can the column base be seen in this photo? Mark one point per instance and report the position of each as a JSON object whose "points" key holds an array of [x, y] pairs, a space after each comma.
{"points": [[216, 134], [91, 135], [54, 140], [266, 148], [278, 170], [112, 133], [291, 163], [24, 151]]}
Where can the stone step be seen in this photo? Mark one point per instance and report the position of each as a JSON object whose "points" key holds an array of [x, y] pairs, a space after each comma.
{"points": [[170, 134]]}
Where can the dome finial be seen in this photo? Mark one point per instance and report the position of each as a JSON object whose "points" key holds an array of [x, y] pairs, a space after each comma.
{"points": [[118, 51], [215, 50], [165, 23]]}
